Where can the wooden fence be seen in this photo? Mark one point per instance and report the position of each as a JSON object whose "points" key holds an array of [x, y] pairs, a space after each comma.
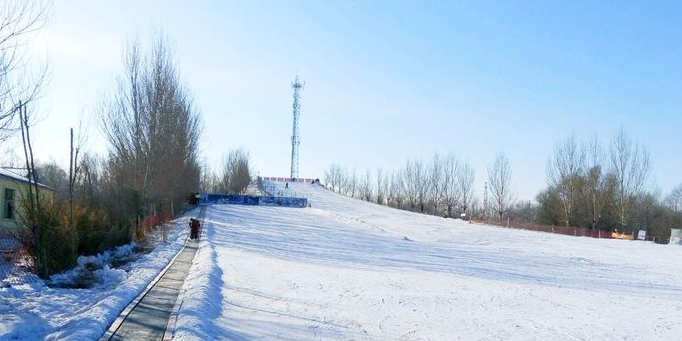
{"points": [[569, 231], [577, 231]]}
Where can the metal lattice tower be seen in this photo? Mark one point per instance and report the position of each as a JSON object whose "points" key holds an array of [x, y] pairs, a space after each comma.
{"points": [[296, 137]]}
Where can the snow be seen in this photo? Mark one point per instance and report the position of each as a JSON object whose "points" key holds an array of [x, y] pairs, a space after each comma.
{"points": [[351, 270], [36, 311], [101, 264]]}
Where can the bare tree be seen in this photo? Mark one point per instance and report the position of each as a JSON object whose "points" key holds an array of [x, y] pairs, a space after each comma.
{"points": [[367, 187], [477, 209], [390, 194], [236, 172], [396, 189], [499, 178], [34, 233], [450, 183], [74, 167], [18, 20], [466, 186], [421, 179], [52, 175], [414, 184], [674, 199], [630, 166], [333, 177], [89, 184], [435, 184], [352, 184], [381, 186], [33, 191], [595, 182], [564, 171], [342, 180], [209, 181], [153, 129]]}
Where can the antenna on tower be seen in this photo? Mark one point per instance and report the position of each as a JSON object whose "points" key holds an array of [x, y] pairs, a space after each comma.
{"points": [[296, 138]]}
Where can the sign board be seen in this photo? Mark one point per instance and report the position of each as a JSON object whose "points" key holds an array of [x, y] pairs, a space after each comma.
{"points": [[641, 235]]}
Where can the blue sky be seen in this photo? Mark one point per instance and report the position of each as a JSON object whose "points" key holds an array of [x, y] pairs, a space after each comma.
{"points": [[387, 80]]}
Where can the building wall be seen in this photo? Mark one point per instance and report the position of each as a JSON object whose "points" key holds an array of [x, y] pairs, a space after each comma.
{"points": [[20, 193]]}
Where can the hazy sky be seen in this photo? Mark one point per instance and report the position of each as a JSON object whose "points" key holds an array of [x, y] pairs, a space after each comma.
{"points": [[387, 80]]}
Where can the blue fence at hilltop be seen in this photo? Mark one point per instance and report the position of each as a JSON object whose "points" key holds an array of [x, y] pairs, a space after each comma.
{"points": [[252, 200]]}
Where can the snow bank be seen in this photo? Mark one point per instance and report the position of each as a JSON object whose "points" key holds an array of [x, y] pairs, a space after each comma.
{"points": [[197, 317], [97, 268]]}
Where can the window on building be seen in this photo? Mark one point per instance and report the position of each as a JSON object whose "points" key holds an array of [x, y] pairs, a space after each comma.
{"points": [[9, 204]]}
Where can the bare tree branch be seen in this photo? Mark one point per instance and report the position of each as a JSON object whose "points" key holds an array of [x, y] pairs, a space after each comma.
{"points": [[499, 178], [18, 20], [564, 171], [630, 166]]}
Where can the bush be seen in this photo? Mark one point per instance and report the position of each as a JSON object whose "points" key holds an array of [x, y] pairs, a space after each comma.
{"points": [[57, 250], [91, 225], [54, 244], [54, 241]]}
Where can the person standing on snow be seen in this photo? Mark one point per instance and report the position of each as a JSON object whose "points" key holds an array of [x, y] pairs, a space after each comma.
{"points": [[194, 226]]}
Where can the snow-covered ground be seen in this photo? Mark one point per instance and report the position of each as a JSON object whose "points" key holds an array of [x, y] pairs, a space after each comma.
{"points": [[37, 312], [350, 270]]}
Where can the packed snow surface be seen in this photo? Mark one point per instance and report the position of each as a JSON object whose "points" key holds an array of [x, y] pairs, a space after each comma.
{"points": [[36, 311], [351, 270]]}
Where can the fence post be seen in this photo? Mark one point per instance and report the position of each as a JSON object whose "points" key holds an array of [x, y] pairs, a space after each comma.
{"points": [[507, 222]]}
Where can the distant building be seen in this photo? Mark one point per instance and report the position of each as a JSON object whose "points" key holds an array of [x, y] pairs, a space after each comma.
{"points": [[13, 190]]}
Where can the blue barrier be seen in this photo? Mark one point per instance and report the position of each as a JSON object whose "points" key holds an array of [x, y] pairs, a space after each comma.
{"points": [[252, 200], [284, 201]]}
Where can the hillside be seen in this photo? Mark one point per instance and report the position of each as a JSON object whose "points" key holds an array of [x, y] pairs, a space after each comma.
{"points": [[345, 269]]}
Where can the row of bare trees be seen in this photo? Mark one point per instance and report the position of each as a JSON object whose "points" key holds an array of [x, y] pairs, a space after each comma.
{"points": [[150, 122], [597, 186], [234, 176], [153, 128], [442, 182]]}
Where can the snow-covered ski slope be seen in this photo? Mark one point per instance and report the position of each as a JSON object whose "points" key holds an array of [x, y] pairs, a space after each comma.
{"points": [[345, 269]]}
